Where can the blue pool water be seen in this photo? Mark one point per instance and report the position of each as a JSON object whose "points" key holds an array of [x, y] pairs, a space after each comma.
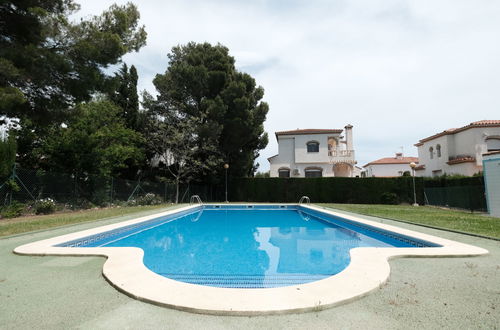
{"points": [[248, 247]]}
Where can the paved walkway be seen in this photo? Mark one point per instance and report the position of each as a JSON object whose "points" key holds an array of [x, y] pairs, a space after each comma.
{"points": [[422, 293]]}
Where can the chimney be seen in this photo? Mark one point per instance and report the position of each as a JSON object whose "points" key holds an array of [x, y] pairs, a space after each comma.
{"points": [[348, 137], [399, 155]]}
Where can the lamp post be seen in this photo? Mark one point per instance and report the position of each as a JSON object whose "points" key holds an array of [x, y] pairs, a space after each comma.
{"points": [[413, 165], [226, 166]]}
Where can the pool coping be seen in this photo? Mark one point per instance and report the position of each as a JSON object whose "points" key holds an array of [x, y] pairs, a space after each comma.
{"points": [[369, 269]]}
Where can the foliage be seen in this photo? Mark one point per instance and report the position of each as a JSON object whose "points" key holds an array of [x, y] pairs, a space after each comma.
{"points": [[95, 141], [49, 63], [124, 95], [8, 149], [45, 206], [262, 174], [325, 190], [148, 199], [224, 107], [389, 198], [173, 140], [13, 210]]}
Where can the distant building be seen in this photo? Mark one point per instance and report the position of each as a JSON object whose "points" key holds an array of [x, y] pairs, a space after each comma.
{"points": [[390, 166], [314, 153], [458, 150]]}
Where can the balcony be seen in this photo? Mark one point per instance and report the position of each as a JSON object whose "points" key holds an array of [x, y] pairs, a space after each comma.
{"points": [[341, 156]]}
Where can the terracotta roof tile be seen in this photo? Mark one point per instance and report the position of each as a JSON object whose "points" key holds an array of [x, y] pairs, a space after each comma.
{"points": [[393, 160], [480, 123], [460, 160]]}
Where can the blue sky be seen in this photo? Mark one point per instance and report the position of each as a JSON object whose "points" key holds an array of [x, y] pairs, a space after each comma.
{"points": [[397, 70]]}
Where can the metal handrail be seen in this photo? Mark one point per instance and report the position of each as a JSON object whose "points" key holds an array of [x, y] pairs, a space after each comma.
{"points": [[195, 198], [306, 199]]}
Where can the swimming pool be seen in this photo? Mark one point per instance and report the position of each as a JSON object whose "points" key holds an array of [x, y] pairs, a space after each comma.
{"points": [[255, 246], [248, 259]]}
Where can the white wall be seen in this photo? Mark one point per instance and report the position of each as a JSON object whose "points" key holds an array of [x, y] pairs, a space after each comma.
{"points": [[386, 170], [292, 154], [470, 142]]}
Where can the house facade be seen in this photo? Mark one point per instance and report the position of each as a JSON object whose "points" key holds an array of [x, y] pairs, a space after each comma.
{"points": [[390, 166], [458, 150], [314, 153]]}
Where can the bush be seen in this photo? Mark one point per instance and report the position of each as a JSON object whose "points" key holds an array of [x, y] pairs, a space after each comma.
{"points": [[389, 198], [13, 210], [148, 199], [45, 206]]}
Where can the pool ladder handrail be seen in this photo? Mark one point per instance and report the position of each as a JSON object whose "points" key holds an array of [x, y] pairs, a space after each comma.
{"points": [[305, 199], [195, 198]]}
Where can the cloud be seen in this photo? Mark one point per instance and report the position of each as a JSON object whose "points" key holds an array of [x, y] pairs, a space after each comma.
{"points": [[398, 70]]}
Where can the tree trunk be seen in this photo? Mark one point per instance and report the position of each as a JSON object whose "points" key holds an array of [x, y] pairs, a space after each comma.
{"points": [[177, 190]]}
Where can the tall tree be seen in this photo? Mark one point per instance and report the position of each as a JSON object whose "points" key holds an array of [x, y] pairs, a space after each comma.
{"points": [[48, 63], [124, 94], [8, 148], [172, 139], [95, 141], [202, 85]]}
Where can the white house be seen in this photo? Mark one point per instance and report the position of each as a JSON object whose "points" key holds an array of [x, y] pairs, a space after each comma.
{"points": [[458, 150], [314, 153], [390, 166]]}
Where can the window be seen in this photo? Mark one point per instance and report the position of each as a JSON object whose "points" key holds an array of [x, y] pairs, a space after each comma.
{"points": [[431, 152], [438, 150], [493, 143], [312, 146], [284, 172], [313, 172]]}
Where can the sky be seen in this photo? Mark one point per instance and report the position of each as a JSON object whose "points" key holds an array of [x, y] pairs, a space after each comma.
{"points": [[397, 70]]}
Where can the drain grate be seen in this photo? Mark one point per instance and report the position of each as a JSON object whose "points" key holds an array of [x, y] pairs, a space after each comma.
{"points": [[245, 281]]}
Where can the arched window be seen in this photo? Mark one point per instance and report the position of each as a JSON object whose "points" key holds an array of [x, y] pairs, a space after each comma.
{"points": [[313, 172], [284, 172], [431, 152], [493, 143], [313, 146], [438, 150]]}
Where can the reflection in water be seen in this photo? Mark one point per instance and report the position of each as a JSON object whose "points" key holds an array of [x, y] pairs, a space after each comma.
{"points": [[247, 248]]}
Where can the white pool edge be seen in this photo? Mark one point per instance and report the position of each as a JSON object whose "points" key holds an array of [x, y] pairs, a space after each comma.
{"points": [[367, 271]]}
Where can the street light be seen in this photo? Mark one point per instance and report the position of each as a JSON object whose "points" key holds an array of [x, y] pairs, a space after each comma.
{"points": [[226, 166], [413, 165]]}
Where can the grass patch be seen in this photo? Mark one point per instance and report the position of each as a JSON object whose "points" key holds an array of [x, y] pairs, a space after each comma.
{"points": [[31, 223], [442, 218]]}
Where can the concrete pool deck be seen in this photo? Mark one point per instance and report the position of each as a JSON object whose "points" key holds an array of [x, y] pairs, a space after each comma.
{"points": [[70, 292]]}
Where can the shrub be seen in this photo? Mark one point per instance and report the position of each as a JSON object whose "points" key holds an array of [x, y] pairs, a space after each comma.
{"points": [[45, 206], [13, 210], [148, 199], [389, 198]]}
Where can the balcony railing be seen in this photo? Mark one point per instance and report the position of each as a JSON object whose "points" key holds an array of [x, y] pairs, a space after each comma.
{"points": [[341, 156]]}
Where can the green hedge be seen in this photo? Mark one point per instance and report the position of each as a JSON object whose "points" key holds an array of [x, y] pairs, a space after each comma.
{"points": [[326, 190]]}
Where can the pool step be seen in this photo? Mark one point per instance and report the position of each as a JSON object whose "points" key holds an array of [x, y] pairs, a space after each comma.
{"points": [[245, 281]]}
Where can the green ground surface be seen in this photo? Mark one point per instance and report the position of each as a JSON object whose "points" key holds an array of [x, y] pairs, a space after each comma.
{"points": [[54, 292], [464, 221], [39, 222]]}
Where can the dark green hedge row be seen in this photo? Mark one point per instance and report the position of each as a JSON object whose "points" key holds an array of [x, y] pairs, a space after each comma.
{"points": [[444, 181], [327, 190]]}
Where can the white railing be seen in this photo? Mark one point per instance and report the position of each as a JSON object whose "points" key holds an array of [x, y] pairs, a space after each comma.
{"points": [[341, 156]]}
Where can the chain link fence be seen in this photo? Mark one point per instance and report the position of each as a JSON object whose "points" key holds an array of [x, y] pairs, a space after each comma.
{"points": [[27, 186], [463, 197]]}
